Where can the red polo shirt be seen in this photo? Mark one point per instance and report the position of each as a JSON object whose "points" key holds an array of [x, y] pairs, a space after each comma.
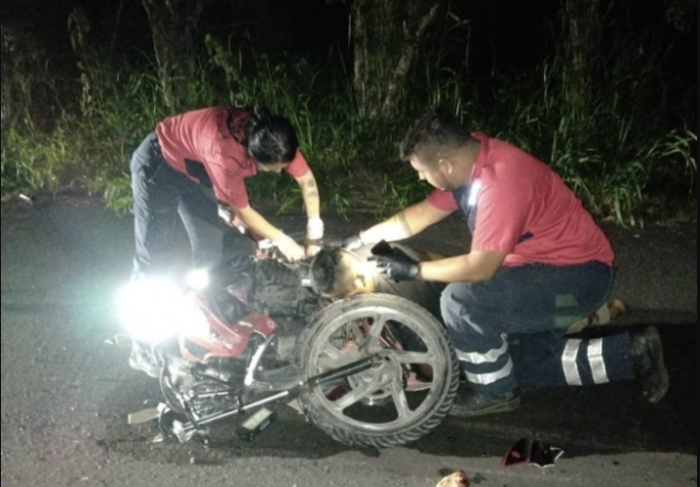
{"points": [[524, 208], [203, 136]]}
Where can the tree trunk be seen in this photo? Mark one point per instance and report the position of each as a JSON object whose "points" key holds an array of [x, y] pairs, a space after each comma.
{"points": [[581, 31], [386, 38], [173, 23]]}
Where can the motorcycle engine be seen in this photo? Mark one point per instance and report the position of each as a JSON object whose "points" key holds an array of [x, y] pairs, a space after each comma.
{"points": [[269, 286], [280, 293]]}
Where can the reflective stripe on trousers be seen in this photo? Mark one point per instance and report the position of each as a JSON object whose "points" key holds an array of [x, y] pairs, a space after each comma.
{"points": [[492, 357], [594, 357], [549, 359]]}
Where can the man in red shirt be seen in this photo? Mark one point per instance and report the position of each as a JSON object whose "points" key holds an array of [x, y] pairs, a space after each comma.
{"points": [[537, 263], [197, 161]]}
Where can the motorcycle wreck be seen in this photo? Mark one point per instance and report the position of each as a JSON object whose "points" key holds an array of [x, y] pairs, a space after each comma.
{"points": [[372, 370]]}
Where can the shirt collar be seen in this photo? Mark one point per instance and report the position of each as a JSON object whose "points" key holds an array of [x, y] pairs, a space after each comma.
{"points": [[481, 157]]}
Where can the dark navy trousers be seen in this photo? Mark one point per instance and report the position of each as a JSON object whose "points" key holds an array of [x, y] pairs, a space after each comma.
{"points": [[163, 195], [519, 317]]}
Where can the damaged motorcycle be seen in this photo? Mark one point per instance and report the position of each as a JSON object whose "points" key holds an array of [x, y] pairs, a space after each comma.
{"points": [[372, 370]]}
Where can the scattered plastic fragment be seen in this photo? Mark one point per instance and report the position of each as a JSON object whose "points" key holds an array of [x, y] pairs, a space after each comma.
{"points": [[536, 453], [455, 479]]}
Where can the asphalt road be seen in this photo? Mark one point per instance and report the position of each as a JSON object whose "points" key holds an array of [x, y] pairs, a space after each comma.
{"points": [[66, 393]]}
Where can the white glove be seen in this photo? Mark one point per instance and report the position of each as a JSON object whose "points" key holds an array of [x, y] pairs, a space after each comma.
{"points": [[292, 251], [314, 236], [314, 229]]}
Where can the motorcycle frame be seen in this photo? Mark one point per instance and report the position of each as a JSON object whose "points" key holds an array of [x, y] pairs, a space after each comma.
{"points": [[230, 341], [184, 431]]}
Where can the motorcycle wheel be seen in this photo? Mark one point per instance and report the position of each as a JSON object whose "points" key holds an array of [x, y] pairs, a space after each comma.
{"points": [[384, 406]]}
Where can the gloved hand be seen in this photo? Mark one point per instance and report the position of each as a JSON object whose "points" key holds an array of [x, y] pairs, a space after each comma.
{"points": [[352, 243], [314, 229], [291, 250], [314, 236], [399, 266]]}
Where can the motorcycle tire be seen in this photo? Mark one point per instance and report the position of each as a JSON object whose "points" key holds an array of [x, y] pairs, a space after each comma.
{"points": [[379, 407]]}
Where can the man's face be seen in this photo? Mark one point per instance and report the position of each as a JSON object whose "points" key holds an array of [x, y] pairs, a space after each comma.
{"points": [[356, 277], [437, 176]]}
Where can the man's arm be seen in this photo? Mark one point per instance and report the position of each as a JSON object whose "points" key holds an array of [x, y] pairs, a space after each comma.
{"points": [[406, 223], [476, 266]]}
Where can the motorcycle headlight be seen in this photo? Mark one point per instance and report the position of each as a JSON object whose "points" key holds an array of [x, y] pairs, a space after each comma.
{"points": [[191, 320], [198, 279], [154, 309]]}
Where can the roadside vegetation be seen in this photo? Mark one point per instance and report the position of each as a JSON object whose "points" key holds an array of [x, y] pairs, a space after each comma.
{"points": [[625, 143]]}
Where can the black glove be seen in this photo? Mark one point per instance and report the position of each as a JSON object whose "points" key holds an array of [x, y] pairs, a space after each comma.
{"points": [[352, 243], [399, 267]]}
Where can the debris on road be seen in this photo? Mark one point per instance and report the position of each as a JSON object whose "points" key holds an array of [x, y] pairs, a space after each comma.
{"points": [[518, 453], [535, 453], [145, 415], [544, 455], [455, 479]]}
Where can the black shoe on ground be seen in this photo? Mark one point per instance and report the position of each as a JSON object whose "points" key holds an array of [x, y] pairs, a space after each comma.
{"points": [[142, 359], [469, 403], [648, 359]]}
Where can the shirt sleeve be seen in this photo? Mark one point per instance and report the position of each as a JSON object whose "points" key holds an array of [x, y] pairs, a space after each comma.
{"points": [[298, 167], [442, 200], [501, 216]]}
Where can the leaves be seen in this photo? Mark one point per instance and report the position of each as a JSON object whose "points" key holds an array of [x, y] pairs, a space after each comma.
{"points": [[612, 146]]}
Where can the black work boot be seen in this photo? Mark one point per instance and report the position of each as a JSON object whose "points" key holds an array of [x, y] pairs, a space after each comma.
{"points": [[470, 403], [648, 360]]}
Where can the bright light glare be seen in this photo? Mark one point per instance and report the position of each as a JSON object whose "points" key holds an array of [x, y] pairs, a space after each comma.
{"points": [[198, 279], [153, 309], [192, 321]]}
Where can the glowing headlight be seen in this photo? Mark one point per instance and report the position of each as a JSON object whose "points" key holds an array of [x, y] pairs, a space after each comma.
{"points": [[191, 320], [155, 309], [198, 279]]}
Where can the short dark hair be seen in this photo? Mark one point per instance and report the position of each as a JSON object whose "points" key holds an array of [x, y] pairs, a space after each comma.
{"points": [[329, 274], [432, 136], [271, 138]]}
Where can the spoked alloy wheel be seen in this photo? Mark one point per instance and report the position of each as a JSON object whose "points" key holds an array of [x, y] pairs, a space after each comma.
{"points": [[399, 400]]}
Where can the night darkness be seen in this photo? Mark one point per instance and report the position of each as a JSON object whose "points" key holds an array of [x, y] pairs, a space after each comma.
{"points": [[500, 52], [506, 34]]}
